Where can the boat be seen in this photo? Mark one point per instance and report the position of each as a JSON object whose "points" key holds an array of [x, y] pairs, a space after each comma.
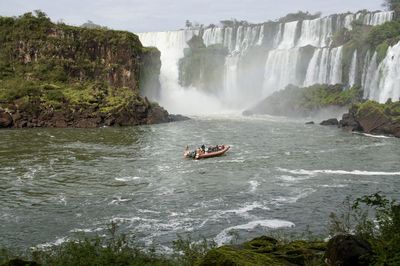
{"points": [[201, 154]]}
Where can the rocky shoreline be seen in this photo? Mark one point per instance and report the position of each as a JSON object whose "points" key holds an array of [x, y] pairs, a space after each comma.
{"points": [[371, 118], [34, 116]]}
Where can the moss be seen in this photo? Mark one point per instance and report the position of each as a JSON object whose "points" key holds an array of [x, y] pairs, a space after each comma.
{"points": [[381, 50], [267, 251], [229, 255], [389, 110]]}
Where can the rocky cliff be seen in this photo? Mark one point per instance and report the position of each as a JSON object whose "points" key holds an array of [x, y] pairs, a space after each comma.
{"points": [[373, 118], [55, 75]]}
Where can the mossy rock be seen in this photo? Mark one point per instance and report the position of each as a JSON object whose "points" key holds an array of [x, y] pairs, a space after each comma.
{"points": [[262, 244], [237, 256], [268, 251]]}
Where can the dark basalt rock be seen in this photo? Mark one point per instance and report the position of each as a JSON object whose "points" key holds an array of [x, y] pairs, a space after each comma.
{"points": [[330, 122], [6, 119], [348, 250], [373, 118], [177, 118]]}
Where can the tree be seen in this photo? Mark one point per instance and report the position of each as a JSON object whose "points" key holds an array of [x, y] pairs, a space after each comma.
{"points": [[188, 24], [393, 5]]}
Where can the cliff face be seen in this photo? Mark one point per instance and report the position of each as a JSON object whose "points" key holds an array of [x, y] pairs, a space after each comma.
{"points": [[54, 75]]}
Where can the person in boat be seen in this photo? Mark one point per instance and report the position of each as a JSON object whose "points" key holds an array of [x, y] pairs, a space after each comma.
{"points": [[186, 151], [203, 148]]}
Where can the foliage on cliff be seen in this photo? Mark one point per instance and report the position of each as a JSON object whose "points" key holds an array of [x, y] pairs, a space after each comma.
{"points": [[46, 67], [375, 219], [201, 66], [374, 118], [295, 101]]}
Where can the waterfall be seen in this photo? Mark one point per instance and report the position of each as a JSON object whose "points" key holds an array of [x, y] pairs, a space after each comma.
{"points": [[280, 70], [353, 70], [370, 80], [273, 55], [174, 97], [386, 79], [289, 35], [325, 67], [213, 35], [378, 18], [316, 32]]}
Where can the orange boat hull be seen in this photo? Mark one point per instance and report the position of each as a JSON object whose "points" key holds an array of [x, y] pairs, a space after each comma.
{"points": [[212, 154]]}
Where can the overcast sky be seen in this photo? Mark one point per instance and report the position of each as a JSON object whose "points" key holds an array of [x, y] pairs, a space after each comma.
{"points": [[161, 15]]}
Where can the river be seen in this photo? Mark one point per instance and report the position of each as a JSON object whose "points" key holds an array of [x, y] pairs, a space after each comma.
{"points": [[279, 173]]}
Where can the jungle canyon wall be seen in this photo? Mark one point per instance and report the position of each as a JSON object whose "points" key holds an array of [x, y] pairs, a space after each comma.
{"points": [[264, 58], [55, 75]]}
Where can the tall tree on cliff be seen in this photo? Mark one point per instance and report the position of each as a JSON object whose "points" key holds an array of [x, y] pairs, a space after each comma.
{"points": [[393, 5]]}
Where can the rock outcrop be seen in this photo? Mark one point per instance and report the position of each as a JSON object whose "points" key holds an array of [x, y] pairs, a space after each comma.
{"points": [[305, 102], [348, 250], [330, 122], [6, 119], [55, 75], [373, 118]]}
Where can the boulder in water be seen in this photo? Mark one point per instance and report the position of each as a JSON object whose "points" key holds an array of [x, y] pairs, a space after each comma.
{"points": [[310, 123], [6, 119], [330, 122]]}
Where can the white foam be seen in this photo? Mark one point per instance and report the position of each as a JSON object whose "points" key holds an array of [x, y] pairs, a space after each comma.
{"points": [[77, 230], [119, 199], [253, 185], [57, 242], [289, 178], [299, 194], [334, 186], [373, 136], [224, 237], [338, 172], [246, 208], [127, 178]]}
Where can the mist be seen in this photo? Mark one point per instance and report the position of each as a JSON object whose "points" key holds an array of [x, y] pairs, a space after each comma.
{"points": [[233, 67]]}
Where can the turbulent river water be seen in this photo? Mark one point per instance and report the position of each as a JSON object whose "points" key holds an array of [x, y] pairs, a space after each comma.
{"points": [[55, 183]]}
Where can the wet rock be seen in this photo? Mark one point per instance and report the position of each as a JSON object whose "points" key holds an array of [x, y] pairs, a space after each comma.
{"points": [[177, 118], [330, 122], [373, 118], [6, 119], [348, 250], [310, 123]]}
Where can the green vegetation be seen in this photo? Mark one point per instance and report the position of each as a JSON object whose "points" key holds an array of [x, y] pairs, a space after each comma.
{"points": [[393, 5], [295, 101], [201, 66], [376, 219], [390, 111], [46, 67]]}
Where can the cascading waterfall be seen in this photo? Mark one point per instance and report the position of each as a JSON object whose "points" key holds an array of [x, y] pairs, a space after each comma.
{"points": [[386, 80], [297, 52], [370, 83], [174, 97], [353, 70]]}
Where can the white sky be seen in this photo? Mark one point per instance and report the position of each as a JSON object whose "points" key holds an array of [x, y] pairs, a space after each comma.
{"points": [[161, 15]]}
